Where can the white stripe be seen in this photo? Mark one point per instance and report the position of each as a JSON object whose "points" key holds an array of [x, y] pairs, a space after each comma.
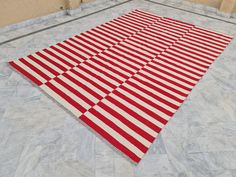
{"points": [[182, 65], [171, 26], [174, 73], [205, 47], [161, 87], [103, 36], [208, 40], [159, 94], [75, 50], [141, 18], [107, 28], [157, 30], [198, 53], [183, 57], [121, 58], [106, 70], [115, 135], [55, 59], [144, 104], [122, 126], [179, 69], [169, 77], [30, 71], [86, 83], [62, 56], [45, 71], [165, 82], [130, 25], [102, 42], [150, 98], [183, 60], [119, 27], [118, 23], [90, 46], [134, 53], [100, 74], [132, 119], [217, 38], [112, 66], [146, 48], [205, 42], [117, 62], [93, 42], [156, 39], [71, 95], [135, 22], [61, 100], [79, 89], [139, 50], [109, 33], [218, 35], [137, 110], [48, 63], [95, 80], [180, 23], [147, 14], [178, 26], [196, 46]]}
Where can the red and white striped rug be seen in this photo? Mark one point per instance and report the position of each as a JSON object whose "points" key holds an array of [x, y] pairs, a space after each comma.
{"points": [[126, 78]]}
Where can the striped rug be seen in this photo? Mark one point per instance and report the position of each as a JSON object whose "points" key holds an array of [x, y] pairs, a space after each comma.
{"points": [[126, 78]]}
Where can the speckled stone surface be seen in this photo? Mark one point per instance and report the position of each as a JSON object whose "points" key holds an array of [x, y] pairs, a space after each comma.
{"points": [[38, 138]]}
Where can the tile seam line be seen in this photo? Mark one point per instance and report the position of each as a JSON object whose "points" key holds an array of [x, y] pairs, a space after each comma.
{"points": [[65, 22], [207, 16]]}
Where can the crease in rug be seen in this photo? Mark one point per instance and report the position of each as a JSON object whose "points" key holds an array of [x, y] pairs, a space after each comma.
{"points": [[126, 78]]}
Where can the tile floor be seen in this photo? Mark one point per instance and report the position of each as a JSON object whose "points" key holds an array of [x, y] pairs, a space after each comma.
{"points": [[38, 138]]}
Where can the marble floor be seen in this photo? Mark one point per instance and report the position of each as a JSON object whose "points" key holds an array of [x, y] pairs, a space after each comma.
{"points": [[38, 138]]}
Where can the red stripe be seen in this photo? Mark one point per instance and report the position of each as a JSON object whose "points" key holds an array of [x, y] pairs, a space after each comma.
{"points": [[86, 88], [128, 123], [115, 64], [66, 97], [110, 68], [74, 91], [44, 65], [85, 46], [73, 52], [46, 77], [151, 103], [153, 95], [103, 72], [122, 55], [119, 130], [90, 81], [25, 73], [102, 37], [88, 42], [175, 70], [141, 107], [166, 79], [170, 74], [110, 139], [134, 114], [95, 40], [59, 58], [97, 77], [78, 48], [65, 54], [52, 61]]}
